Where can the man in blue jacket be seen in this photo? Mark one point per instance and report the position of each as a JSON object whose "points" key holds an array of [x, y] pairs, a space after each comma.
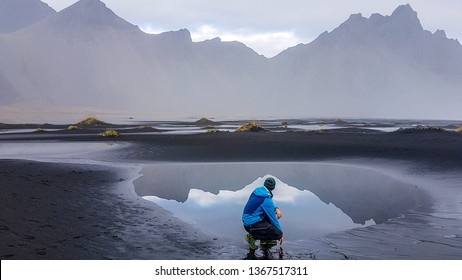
{"points": [[261, 217]]}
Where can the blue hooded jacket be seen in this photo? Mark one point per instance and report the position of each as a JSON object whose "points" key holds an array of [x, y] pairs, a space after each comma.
{"points": [[259, 205]]}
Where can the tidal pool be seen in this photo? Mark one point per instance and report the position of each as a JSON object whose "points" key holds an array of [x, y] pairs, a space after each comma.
{"points": [[51, 150], [315, 198]]}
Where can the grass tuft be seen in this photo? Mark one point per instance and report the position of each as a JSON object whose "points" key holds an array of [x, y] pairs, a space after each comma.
{"points": [[110, 133], [250, 127], [91, 121], [72, 127]]}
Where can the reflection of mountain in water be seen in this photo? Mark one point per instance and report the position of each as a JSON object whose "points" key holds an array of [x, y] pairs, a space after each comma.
{"points": [[305, 215], [361, 193]]}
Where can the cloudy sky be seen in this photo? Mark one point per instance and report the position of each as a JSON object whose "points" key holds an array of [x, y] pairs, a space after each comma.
{"points": [[270, 26]]}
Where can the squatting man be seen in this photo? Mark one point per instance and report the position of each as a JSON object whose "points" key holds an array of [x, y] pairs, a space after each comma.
{"points": [[261, 217]]}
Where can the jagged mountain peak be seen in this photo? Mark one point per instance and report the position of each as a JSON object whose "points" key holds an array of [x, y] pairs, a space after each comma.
{"points": [[440, 33], [234, 46], [406, 17], [403, 18], [182, 35], [93, 12], [356, 17], [400, 31], [90, 4], [404, 14], [216, 40], [404, 10], [355, 23]]}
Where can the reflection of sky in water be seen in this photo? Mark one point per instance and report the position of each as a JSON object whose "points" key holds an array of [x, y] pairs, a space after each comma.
{"points": [[4, 131], [304, 214], [384, 129], [50, 149], [309, 127]]}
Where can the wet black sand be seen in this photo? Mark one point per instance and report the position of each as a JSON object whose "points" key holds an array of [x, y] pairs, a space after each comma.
{"points": [[63, 211]]}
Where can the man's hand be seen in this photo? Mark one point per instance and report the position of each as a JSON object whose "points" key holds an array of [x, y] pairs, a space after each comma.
{"points": [[281, 241], [278, 213]]}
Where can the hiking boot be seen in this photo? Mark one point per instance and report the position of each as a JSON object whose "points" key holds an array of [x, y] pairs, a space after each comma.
{"points": [[251, 242]]}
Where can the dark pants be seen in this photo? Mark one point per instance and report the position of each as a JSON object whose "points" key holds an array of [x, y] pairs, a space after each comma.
{"points": [[264, 230]]}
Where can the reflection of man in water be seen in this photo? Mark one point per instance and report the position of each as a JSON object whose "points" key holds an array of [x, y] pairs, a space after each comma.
{"points": [[260, 217]]}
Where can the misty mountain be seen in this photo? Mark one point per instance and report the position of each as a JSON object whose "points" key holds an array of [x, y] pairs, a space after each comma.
{"points": [[17, 14], [381, 65], [88, 57], [72, 58]]}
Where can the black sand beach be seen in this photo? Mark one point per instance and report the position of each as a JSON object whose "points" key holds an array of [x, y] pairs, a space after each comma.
{"points": [[63, 211], [71, 211], [438, 150]]}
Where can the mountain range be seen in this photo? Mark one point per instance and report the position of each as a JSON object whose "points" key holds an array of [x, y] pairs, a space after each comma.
{"points": [[86, 57]]}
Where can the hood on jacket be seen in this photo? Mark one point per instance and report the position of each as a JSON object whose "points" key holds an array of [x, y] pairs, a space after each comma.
{"points": [[262, 192]]}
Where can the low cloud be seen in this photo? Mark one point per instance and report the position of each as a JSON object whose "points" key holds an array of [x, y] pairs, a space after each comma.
{"points": [[268, 44]]}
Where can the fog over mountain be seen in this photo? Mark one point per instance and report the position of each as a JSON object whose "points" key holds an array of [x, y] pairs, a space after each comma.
{"points": [[87, 57], [382, 65]]}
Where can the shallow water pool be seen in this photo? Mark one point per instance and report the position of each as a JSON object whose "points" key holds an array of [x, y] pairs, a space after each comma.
{"points": [[315, 198], [52, 150]]}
